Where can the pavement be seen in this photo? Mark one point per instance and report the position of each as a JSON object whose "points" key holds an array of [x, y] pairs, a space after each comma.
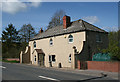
{"points": [[113, 75], [29, 72], [98, 73]]}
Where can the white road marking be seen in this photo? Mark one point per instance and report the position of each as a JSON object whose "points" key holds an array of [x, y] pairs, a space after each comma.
{"points": [[48, 78], [2, 67]]}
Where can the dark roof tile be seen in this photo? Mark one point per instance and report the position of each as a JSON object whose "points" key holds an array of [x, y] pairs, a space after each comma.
{"points": [[75, 26]]}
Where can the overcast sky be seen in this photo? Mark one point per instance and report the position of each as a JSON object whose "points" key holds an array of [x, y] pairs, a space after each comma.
{"points": [[102, 14]]}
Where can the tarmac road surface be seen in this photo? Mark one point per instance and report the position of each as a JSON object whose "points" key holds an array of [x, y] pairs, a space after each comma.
{"points": [[12, 72]]}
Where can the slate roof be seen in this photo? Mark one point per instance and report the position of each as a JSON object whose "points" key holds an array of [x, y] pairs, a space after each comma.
{"points": [[76, 26]]}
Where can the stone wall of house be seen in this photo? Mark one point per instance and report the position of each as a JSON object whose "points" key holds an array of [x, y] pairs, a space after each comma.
{"points": [[33, 56], [26, 56], [85, 43], [93, 45], [61, 48]]}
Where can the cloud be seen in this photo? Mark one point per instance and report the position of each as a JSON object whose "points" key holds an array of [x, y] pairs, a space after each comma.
{"points": [[94, 19], [17, 6], [13, 7], [91, 19], [109, 29]]}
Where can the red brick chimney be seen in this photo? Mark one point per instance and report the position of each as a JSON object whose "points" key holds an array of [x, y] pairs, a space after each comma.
{"points": [[66, 21], [41, 30]]}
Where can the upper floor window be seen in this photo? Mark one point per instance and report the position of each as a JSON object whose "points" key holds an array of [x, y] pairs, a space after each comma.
{"points": [[34, 44], [70, 38], [98, 38], [51, 42]]}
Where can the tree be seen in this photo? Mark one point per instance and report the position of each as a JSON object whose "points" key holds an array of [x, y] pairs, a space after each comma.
{"points": [[10, 35], [113, 47], [9, 39], [56, 19], [26, 32]]}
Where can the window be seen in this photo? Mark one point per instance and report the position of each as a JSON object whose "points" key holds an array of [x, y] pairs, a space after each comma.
{"points": [[34, 44], [35, 58], [51, 42], [98, 38], [70, 58], [52, 58], [70, 38]]}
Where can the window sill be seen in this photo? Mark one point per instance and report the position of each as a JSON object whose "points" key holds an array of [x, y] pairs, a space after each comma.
{"points": [[53, 61], [70, 42], [51, 45]]}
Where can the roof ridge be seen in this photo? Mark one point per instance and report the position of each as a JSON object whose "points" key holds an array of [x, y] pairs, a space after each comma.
{"points": [[83, 24]]}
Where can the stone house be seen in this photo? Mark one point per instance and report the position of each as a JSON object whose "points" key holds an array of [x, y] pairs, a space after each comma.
{"points": [[64, 45]]}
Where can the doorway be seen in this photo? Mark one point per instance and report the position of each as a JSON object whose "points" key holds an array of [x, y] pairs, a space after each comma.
{"points": [[41, 59]]}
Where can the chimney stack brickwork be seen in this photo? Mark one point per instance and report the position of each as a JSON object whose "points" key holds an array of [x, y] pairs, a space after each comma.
{"points": [[41, 30], [66, 22]]}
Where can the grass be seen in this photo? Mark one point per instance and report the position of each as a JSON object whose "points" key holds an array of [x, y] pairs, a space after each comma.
{"points": [[14, 61]]}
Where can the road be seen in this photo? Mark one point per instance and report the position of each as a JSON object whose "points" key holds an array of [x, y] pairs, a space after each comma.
{"points": [[27, 72]]}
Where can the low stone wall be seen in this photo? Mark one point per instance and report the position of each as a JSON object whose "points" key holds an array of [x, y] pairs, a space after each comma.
{"points": [[102, 65], [12, 59]]}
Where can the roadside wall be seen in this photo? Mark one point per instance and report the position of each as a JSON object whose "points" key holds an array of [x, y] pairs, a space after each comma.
{"points": [[12, 59], [102, 65]]}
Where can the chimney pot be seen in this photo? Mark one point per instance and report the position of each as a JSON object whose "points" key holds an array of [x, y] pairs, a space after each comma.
{"points": [[41, 30]]}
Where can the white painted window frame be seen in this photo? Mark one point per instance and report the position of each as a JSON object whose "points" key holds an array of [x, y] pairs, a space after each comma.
{"points": [[51, 41], [70, 58], [70, 38], [51, 58]]}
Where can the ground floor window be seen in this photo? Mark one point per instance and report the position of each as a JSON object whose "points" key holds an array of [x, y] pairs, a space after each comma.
{"points": [[52, 58], [70, 58], [35, 58]]}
